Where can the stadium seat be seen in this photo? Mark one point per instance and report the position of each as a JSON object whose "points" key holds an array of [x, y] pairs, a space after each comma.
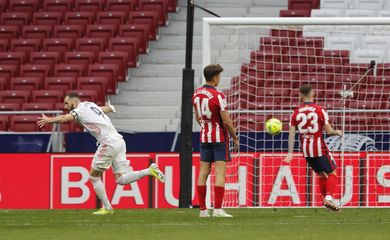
{"points": [[69, 31], [37, 31], [4, 5], [300, 56], [139, 31], [360, 13], [4, 45], [9, 32], [15, 18], [336, 4], [7, 71], [365, 105], [265, 56], [58, 5], [111, 17], [90, 44], [368, 4], [375, 42], [69, 70], [83, 58], [101, 30], [47, 18], [25, 83], [146, 17], [87, 95], [310, 42], [357, 123], [50, 58], [110, 71], [3, 83], [35, 70], [89, 5], [4, 123], [121, 5], [366, 55], [98, 84], [118, 58], [47, 96], [295, 13], [37, 106], [341, 42], [274, 44], [60, 45], [336, 57], [25, 45], [14, 96], [24, 123], [159, 6], [9, 107], [12, 58], [383, 69], [24, 5], [172, 5], [303, 4], [381, 80], [384, 13], [129, 45], [60, 83], [357, 69], [82, 18], [328, 12]]}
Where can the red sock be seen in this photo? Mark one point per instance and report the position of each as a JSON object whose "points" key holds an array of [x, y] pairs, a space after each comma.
{"points": [[218, 192], [331, 184], [322, 182], [202, 197]]}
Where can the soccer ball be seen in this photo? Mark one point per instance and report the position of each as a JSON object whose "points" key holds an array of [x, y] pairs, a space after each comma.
{"points": [[273, 126]]}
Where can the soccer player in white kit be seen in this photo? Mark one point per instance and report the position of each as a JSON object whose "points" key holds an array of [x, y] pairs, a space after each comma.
{"points": [[111, 150]]}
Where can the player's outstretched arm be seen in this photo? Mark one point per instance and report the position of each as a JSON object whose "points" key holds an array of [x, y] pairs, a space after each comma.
{"points": [[330, 131], [42, 121], [227, 122], [108, 108], [291, 142]]}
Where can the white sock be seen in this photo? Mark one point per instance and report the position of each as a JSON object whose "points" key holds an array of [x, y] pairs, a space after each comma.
{"points": [[100, 192], [132, 176]]}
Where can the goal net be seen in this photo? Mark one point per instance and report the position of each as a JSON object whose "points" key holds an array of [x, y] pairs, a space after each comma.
{"points": [[347, 62]]}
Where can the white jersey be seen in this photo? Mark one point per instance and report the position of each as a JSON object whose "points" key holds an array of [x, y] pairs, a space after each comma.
{"points": [[96, 122]]}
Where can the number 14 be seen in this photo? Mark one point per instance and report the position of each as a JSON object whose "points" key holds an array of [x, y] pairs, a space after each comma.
{"points": [[202, 108]]}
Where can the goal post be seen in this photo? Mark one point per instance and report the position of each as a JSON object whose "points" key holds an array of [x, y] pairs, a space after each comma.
{"points": [[347, 61]]}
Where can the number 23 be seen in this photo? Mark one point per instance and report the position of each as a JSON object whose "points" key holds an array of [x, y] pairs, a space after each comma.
{"points": [[303, 118]]}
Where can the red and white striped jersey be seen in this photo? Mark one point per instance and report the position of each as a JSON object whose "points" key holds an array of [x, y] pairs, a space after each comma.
{"points": [[309, 119], [208, 102]]}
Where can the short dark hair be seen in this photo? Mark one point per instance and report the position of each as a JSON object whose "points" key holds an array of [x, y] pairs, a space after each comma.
{"points": [[73, 95], [211, 71], [305, 89]]}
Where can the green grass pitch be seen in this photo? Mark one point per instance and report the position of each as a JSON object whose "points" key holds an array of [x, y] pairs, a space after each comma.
{"points": [[183, 224]]}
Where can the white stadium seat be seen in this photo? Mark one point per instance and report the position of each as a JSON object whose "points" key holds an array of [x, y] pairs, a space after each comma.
{"points": [[317, 31], [377, 29], [328, 13], [376, 42], [360, 13], [365, 56], [336, 4], [368, 4], [384, 13], [386, 4], [340, 43]]}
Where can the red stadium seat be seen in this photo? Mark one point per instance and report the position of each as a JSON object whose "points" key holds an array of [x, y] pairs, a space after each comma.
{"points": [[325, 68], [356, 69], [37, 106], [7, 71], [4, 123], [12, 58], [57, 45], [15, 18], [129, 45], [84, 58], [310, 42], [47, 96], [172, 6], [119, 58], [4, 5], [121, 5], [286, 33], [35, 70], [159, 6], [69, 70], [98, 84], [25, 45], [110, 71], [90, 44], [24, 5], [25, 83], [60, 83], [82, 18], [146, 17], [69, 31], [383, 69], [9, 32], [57, 5], [112, 17], [47, 18], [275, 44], [50, 58], [265, 56], [3, 83], [101, 30], [335, 57], [24, 123], [295, 13], [14, 96], [89, 5], [37, 31], [357, 122], [4, 45], [139, 31], [287, 67], [303, 4], [365, 105], [9, 107], [87, 95]]}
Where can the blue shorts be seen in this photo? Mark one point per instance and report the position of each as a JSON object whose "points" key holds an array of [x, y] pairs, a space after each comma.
{"points": [[211, 152], [322, 164]]}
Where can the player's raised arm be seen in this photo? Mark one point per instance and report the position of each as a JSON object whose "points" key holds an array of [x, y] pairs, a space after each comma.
{"points": [[108, 108], [291, 142], [42, 121]]}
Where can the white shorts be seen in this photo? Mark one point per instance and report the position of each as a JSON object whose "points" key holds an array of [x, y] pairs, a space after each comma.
{"points": [[111, 155]]}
